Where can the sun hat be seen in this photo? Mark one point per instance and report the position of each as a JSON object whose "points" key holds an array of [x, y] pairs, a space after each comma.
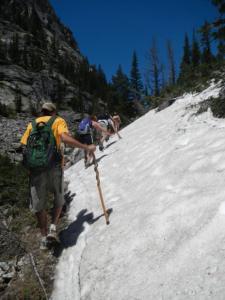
{"points": [[49, 106]]}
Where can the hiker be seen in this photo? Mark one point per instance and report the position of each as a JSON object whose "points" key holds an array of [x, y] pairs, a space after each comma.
{"points": [[43, 158], [85, 135], [106, 121], [117, 121]]}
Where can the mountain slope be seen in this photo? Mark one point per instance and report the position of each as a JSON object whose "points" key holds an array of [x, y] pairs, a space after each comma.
{"points": [[39, 57], [165, 183]]}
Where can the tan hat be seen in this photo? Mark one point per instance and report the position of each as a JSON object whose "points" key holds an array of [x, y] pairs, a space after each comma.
{"points": [[49, 106]]}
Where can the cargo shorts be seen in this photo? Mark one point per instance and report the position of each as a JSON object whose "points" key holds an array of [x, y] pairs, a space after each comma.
{"points": [[41, 183]]}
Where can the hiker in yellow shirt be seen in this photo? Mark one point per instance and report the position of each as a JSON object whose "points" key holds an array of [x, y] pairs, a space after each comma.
{"points": [[50, 178]]}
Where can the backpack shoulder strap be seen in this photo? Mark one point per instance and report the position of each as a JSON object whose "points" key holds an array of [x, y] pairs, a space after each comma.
{"points": [[34, 125], [51, 121]]}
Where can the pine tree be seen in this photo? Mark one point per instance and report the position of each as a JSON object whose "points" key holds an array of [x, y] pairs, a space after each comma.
{"points": [[135, 78], [18, 100], [219, 28], [42, 41], [2, 50], [195, 53], [172, 69], [163, 77], [120, 83], [120, 96], [154, 69], [14, 51], [25, 57], [185, 66], [36, 61], [221, 51], [54, 46], [83, 74], [102, 83], [207, 56], [60, 92], [187, 53]]}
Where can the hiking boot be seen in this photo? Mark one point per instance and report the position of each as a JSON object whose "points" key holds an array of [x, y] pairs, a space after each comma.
{"points": [[52, 235], [88, 164], [44, 243], [101, 148]]}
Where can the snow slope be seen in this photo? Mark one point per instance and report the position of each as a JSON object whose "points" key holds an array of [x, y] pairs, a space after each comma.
{"points": [[165, 181]]}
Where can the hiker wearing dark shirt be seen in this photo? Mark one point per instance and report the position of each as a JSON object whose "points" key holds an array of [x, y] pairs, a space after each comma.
{"points": [[85, 135]]}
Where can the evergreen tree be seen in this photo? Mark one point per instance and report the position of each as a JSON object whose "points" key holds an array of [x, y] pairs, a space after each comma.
{"points": [[120, 83], [195, 53], [207, 56], [163, 76], [25, 57], [28, 40], [83, 74], [60, 92], [154, 68], [54, 46], [14, 51], [185, 66], [18, 100], [219, 28], [102, 83], [2, 50], [221, 51], [187, 52], [42, 41], [135, 78], [36, 61], [172, 71], [120, 95], [92, 75]]}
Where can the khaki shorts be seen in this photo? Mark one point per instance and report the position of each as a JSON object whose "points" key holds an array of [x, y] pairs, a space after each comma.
{"points": [[41, 183]]}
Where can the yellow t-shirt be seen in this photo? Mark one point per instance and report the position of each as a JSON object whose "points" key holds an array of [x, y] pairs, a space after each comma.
{"points": [[59, 126]]}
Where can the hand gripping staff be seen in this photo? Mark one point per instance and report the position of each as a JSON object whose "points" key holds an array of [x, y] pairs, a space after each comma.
{"points": [[100, 190]]}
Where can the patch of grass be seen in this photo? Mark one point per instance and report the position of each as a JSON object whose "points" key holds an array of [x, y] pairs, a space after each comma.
{"points": [[28, 287], [13, 183], [14, 195]]}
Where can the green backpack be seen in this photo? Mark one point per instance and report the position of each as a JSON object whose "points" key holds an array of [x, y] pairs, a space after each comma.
{"points": [[41, 150]]}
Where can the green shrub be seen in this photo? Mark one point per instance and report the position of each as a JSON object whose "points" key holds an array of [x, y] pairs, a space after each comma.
{"points": [[218, 107], [13, 183]]}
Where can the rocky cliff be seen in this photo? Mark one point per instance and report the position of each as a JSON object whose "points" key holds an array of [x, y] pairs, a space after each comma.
{"points": [[39, 58]]}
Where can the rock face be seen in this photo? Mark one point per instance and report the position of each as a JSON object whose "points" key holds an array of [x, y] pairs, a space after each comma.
{"points": [[39, 58]]}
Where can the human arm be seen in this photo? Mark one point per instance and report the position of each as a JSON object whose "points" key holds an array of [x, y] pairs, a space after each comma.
{"points": [[100, 128], [26, 134], [67, 139], [111, 122]]}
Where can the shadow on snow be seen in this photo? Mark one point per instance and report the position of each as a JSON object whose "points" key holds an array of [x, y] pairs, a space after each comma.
{"points": [[69, 236]]}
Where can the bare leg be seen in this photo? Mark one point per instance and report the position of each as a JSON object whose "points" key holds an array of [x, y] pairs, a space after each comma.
{"points": [[42, 221], [119, 136], [103, 137], [117, 131], [85, 155], [56, 215], [90, 157]]}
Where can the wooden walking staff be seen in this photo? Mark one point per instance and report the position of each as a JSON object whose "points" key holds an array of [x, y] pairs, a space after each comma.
{"points": [[100, 191]]}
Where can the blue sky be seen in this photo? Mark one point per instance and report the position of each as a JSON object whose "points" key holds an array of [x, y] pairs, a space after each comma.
{"points": [[108, 32]]}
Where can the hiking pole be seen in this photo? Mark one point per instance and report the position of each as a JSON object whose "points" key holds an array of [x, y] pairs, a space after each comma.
{"points": [[100, 190]]}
